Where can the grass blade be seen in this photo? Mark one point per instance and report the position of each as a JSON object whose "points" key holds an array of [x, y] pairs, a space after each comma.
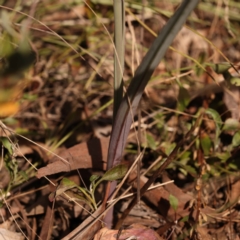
{"points": [[119, 36], [129, 104], [143, 74]]}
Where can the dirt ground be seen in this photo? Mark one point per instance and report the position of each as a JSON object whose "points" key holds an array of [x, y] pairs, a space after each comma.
{"points": [[57, 119]]}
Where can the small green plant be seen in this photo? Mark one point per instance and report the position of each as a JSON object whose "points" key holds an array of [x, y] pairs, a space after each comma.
{"points": [[88, 195], [9, 160], [11, 164]]}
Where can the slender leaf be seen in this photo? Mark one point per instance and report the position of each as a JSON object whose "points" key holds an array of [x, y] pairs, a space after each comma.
{"points": [[206, 144], [143, 73], [119, 35], [7, 144], [129, 104], [173, 202], [218, 123], [236, 139]]}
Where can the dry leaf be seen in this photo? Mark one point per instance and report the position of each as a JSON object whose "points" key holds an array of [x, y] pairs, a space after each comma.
{"points": [[135, 231], [235, 192], [160, 198], [231, 99], [87, 229], [9, 235], [91, 154], [203, 233]]}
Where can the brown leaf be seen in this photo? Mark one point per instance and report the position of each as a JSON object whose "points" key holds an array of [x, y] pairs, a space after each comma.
{"points": [[139, 232], [160, 197], [10, 235], [235, 192], [8, 231], [88, 228], [231, 99], [27, 147], [47, 224], [203, 233], [91, 154]]}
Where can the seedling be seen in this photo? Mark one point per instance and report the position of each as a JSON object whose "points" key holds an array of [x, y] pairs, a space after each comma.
{"points": [[88, 195]]}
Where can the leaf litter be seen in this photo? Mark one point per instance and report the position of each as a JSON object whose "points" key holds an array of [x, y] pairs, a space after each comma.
{"points": [[203, 201]]}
